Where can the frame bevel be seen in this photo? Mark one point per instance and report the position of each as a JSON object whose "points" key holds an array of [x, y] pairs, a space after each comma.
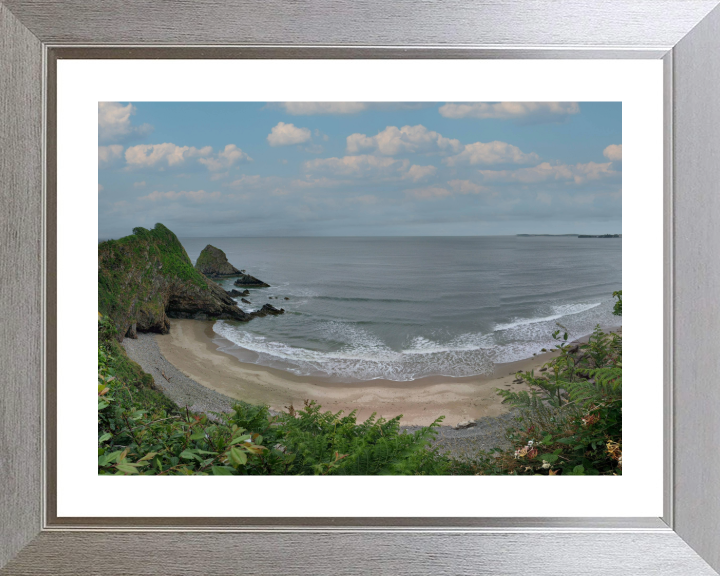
{"points": [[651, 544]]}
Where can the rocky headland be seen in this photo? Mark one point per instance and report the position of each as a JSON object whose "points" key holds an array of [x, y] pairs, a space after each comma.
{"points": [[147, 277]]}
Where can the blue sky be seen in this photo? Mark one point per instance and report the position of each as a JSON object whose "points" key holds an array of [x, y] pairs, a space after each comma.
{"points": [[359, 169]]}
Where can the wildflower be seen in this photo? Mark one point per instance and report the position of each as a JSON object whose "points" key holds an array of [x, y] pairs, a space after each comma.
{"points": [[521, 452], [532, 453], [614, 450], [531, 442], [590, 419], [546, 464]]}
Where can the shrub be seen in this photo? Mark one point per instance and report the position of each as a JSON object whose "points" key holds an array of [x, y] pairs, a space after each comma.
{"points": [[140, 431], [570, 421]]}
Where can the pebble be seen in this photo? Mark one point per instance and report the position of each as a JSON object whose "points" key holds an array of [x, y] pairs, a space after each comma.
{"points": [[488, 433], [184, 391]]}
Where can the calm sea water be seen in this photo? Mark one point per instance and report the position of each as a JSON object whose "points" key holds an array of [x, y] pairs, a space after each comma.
{"points": [[403, 308]]}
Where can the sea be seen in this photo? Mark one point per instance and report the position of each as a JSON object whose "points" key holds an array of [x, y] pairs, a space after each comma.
{"points": [[403, 308]]}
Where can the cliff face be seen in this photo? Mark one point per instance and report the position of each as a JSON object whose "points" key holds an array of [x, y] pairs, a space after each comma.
{"points": [[213, 263], [147, 277]]}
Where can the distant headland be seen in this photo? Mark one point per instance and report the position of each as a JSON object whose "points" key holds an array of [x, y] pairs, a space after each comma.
{"points": [[571, 235]]}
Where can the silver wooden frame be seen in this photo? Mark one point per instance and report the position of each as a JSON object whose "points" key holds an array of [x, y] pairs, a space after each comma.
{"points": [[33, 35]]}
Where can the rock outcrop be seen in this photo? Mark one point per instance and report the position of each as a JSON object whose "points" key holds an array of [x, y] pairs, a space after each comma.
{"points": [[269, 309], [245, 280], [213, 263], [147, 277], [237, 293]]}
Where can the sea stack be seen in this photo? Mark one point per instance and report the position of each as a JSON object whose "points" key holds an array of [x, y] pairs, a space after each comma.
{"points": [[213, 263]]}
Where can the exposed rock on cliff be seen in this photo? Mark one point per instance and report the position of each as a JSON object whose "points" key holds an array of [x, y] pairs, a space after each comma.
{"points": [[147, 277], [250, 281], [236, 293], [213, 263]]}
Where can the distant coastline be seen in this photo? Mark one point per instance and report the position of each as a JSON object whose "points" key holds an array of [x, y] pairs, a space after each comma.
{"points": [[570, 235]]}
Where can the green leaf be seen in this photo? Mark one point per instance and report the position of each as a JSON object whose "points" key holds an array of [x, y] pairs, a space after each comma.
{"points": [[107, 458], [548, 457], [222, 471], [547, 439], [187, 455], [198, 435], [147, 456], [104, 437], [237, 457], [242, 438], [127, 468]]}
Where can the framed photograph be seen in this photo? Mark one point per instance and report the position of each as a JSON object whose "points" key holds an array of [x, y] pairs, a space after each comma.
{"points": [[370, 274]]}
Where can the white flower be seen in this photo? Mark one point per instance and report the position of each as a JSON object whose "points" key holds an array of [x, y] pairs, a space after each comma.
{"points": [[546, 464], [530, 442]]}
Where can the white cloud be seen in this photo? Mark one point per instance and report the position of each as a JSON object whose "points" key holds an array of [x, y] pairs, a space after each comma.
{"points": [[466, 187], [417, 173], [367, 199], [429, 193], [286, 134], [195, 196], [319, 182], [495, 152], [167, 154], [544, 198], [408, 139], [528, 111], [313, 149], [453, 187], [114, 122], [312, 108], [108, 155], [578, 173], [363, 165], [613, 152], [255, 181], [229, 156], [139, 184]]}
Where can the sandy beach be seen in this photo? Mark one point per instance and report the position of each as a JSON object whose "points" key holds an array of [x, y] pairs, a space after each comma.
{"points": [[189, 347]]}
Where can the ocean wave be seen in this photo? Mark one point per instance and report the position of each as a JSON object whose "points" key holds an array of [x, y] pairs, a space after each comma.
{"points": [[558, 312], [365, 357], [358, 353]]}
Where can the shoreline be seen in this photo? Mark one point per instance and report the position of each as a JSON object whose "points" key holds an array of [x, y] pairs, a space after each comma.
{"points": [[189, 347]]}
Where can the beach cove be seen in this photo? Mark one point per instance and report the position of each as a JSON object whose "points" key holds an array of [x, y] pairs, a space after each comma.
{"points": [[190, 348]]}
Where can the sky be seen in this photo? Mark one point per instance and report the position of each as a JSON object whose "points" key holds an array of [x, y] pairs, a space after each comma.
{"points": [[235, 169]]}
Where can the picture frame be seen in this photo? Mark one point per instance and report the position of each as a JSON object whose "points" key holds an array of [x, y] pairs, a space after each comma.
{"points": [[685, 34]]}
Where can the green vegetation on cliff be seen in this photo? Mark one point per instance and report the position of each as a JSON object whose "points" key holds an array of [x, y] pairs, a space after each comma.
{"points": [[147, 276]]}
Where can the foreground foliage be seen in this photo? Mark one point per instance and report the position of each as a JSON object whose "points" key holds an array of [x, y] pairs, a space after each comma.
{"points": [[570, 422], [140, 431]]}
